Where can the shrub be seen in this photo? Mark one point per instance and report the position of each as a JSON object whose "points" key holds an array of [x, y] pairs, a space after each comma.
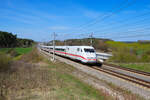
{"points": [[101, 45], [5, 62], [129, 52]]}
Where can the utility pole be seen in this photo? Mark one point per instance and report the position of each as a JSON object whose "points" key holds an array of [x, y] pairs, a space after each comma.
{"points": [[65, 42], [91, 36], [54, 36]]}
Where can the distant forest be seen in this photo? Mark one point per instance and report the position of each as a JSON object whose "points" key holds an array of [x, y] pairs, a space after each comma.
{"points": [[9, 40], [98, 43]]}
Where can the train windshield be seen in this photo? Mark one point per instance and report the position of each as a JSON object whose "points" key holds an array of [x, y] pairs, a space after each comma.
{"points": [[89, 50]]}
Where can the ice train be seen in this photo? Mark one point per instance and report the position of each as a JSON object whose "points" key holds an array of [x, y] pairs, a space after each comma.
{"points": [[85, 54]]}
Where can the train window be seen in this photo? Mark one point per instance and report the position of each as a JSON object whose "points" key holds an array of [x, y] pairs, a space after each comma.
{"points": [[81, 50], [89, 50], [60, 49], [78, 49]]}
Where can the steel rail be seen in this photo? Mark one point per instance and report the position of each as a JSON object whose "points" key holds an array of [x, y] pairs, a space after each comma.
{"points": [[128, 69], [124, 76]]}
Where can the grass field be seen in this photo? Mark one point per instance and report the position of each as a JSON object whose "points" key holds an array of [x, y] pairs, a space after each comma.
{"points": [[23, 50], [142, 67], [33, 77], [44, 80], [20, 51]]}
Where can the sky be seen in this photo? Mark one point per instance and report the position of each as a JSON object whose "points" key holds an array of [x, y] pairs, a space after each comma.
{"points": [[120, 20]]}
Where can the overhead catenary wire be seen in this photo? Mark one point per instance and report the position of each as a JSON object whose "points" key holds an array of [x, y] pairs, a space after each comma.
{"points": [[131, 36], [105, 16], [126, 24], [113, 13], [128, 31], [136, 23], [143, 30], [123, 20], [117, 27]]}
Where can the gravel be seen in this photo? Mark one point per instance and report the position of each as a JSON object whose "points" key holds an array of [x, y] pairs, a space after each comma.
{"points": [[146, 78], [135, 89]]}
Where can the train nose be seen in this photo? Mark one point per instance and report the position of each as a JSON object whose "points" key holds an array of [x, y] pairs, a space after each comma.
{"points": [[92, 59]]}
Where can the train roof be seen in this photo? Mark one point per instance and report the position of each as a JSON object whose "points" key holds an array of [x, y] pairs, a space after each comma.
{"points": [[69, 46]]}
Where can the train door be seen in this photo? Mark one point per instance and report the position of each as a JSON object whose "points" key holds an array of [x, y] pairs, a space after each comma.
{"points": [[79, 53], [67, 51]]}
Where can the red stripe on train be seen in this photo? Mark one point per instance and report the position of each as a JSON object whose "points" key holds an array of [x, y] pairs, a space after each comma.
{"points": [[74, 55]]}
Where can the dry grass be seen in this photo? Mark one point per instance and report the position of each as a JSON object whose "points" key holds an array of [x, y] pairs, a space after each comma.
{"points": [[5, 61], [128, 95], [35, 78], [44, 80], [32, 56]]}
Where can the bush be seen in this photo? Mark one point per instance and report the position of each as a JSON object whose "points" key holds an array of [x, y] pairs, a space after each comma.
{"points": [[129, 52], [122, 57], [5, 62], [101, 45]]}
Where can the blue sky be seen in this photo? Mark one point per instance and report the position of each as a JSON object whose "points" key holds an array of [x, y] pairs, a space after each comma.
{"points": [[38, 19]]}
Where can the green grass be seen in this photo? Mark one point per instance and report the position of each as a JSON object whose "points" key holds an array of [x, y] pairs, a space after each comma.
{"points": [[70, 88], [142, 67], [20, 51], [15, 53], [80, 89], [4, 49], [23, 50]]}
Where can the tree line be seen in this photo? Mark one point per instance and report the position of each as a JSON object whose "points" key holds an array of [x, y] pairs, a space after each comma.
{"points": [[98, 43], [9, 40]]}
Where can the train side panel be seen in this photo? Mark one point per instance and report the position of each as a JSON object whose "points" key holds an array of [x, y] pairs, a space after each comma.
{"points": [[73, 52]]}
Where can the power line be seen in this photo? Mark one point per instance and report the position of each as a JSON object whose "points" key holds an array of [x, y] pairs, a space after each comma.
{"points": [[109, 15], [128, 31], [127, 24], [94, 21], [126, 20], [130, 36], [143, 30]]}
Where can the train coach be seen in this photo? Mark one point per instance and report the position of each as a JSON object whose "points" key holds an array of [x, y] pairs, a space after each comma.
{"points": [[85, 54]]}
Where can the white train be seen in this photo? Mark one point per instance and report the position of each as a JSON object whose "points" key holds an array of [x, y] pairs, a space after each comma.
{"points": [[85, 54]]}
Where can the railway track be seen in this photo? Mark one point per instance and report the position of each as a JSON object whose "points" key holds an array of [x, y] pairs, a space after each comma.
{"points": [[120, 75], [132, 79], [128, 69]]}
